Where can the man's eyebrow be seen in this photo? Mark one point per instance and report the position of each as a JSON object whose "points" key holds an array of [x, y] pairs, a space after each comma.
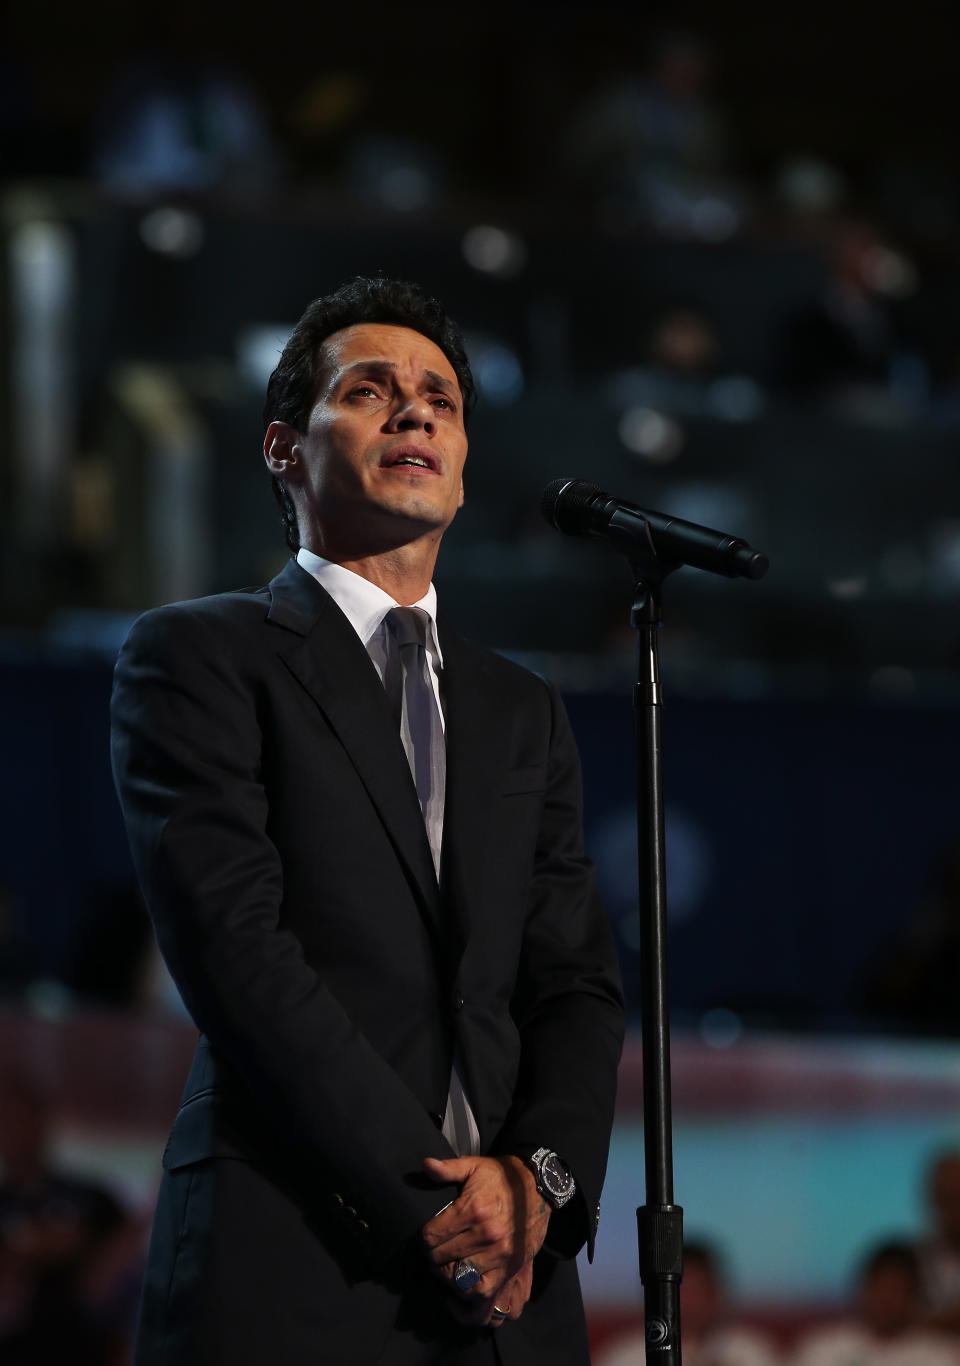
{"points": [[384, 368], [368, 367], [440, 382]]}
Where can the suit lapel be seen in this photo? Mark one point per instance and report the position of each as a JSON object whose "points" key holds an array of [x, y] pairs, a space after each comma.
{"points": [[323, 652], [477, 735]]}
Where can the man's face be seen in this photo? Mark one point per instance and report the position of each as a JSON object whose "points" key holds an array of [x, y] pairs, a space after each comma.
{"points": [[381, 461], [699, 1298], [889, 1300]]}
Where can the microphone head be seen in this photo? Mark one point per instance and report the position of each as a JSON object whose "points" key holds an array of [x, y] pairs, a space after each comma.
{"points": [[567, 504], [550, 499]]}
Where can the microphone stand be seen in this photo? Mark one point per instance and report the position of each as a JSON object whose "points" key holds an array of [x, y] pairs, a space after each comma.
{"points": [[659, 1221], [579, 508]]}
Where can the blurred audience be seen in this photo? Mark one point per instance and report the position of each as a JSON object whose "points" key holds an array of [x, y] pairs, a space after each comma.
{"points": [[683, 371], [709, 1337], [651, 147], [939, 1252], [845, 346], [172, 123], [887, 1329], [70, 1256]]}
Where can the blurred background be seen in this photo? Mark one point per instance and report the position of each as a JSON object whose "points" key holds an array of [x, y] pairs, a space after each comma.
{"points": [[706, 257]]}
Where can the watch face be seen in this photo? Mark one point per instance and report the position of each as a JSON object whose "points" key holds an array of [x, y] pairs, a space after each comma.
{"points": [[556, 1175]]}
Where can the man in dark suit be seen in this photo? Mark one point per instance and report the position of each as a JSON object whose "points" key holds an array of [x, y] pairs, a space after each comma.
{"points": [[360, 841]]}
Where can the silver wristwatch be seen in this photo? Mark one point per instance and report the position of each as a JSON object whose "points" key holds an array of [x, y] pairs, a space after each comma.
{"points": [[554, 1178]]}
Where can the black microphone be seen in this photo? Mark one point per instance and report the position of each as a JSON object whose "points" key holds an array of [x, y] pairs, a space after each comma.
{"points": [[581, 509]]}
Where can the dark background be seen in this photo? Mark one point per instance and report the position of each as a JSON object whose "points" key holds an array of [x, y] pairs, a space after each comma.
{"points": [[812, 718]]}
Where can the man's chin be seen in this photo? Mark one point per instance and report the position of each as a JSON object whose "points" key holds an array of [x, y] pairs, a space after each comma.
{"points": [[415, 516]]}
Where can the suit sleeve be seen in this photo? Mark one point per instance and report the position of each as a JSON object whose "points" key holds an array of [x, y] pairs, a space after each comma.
{"points": [[568, 1003], [187, 753]]}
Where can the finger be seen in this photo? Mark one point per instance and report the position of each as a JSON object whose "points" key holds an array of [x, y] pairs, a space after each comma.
{"points": [[476, 1223], [444, 1169], [517, 1304], [469, 1232], [500, 1308], [447, 1240], [487, 1252], [514, 1295]]}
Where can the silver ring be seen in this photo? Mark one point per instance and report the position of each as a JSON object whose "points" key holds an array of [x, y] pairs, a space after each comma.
{"points": [[499, 1314], [465, 1274]]}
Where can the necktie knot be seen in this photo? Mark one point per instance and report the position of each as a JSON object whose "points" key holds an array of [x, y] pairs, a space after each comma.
{"points": [[408, 625]]}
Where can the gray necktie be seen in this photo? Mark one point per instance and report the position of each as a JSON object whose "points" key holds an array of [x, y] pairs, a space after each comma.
{"points": [[410, 690], [421, 726]]}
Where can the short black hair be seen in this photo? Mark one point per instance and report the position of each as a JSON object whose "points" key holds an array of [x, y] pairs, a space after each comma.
{"points": [[895, 1255], [293, 386], [703, 1255]]}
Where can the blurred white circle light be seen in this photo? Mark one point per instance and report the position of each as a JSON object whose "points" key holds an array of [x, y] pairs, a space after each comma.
{"points": [[650, 434], [889, 272], [494, 251], [172, 232]]}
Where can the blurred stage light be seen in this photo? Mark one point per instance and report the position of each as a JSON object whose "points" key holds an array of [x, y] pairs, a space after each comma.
{"points": [[406, 188], [810, 186], [735, 398], [172, 232], [720, 1028], [652, 435], [496, 369], [494, 251], [945, 553], [848, 589], [258, 350], [41, 316], [889, 272]]}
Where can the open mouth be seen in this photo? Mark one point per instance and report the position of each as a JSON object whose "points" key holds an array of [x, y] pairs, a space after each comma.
{"points": [[411, 457]]}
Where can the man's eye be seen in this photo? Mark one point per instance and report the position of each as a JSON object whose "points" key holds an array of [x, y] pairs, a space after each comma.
{"points": [[441, 402], [362, 390]]}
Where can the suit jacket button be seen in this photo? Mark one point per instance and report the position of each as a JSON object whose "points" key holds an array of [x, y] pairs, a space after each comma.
{"points": [[363, 1226], [351, 1211], [337, 1200], [437, 1118], [458, 1002]]}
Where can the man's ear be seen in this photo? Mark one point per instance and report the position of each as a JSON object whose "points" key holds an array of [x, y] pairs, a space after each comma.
{"points": [[281, 449]]}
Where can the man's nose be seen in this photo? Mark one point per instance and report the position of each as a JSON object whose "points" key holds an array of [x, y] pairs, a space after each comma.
{"points": [[413, 413]]}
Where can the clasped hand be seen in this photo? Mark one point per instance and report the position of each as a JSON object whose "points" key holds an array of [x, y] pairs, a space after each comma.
{"points": [[498, 1221]]}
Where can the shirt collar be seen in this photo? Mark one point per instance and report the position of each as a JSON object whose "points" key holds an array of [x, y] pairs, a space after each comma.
{"points": [[362, 602]]}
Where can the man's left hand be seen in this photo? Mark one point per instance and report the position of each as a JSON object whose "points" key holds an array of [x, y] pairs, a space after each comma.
{"points": [[499, 1221]]}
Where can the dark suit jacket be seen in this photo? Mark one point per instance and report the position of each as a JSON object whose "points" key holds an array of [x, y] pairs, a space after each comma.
{"points": [[280, 846]]}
